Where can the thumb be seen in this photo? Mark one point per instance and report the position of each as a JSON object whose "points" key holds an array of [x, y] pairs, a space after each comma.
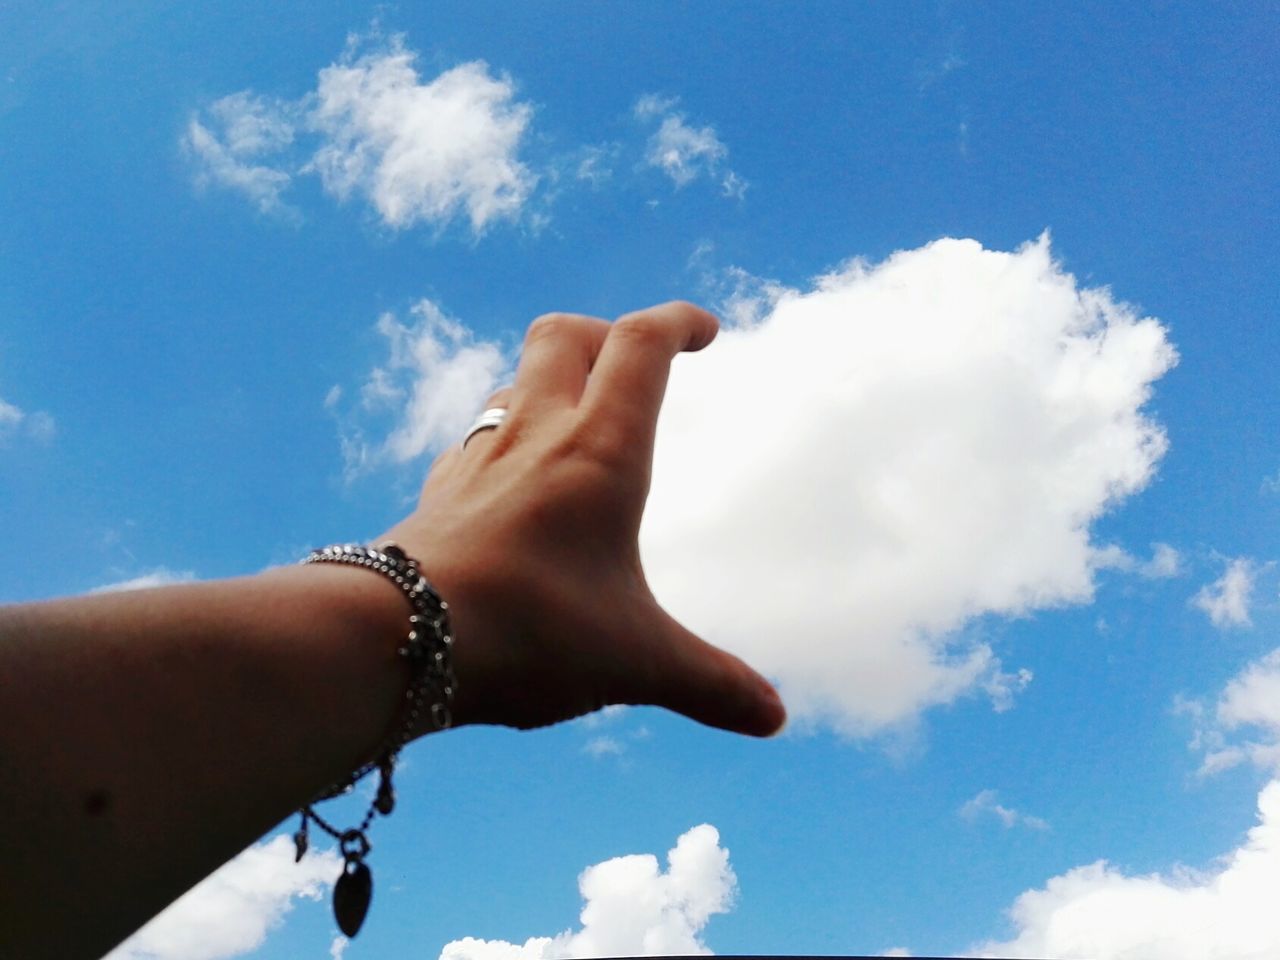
{"points": [[708, 684]]}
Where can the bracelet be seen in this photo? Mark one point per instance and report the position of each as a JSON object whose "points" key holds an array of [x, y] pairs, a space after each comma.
{"points": [[428, 651]]}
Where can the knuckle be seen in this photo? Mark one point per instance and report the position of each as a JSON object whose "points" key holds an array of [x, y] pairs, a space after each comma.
{"points": [[641, 329], [552, 326], [499, 398]]}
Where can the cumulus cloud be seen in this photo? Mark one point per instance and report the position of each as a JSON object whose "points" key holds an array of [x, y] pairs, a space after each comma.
{"points": [[230, 912], [1224, 912], [16, 422], [843, 486], [986, 804], [684, 152], [433, 383], [1226, 600], [1243, 726], [854, 474], [631, 907], [159, 577], [419, 151]]}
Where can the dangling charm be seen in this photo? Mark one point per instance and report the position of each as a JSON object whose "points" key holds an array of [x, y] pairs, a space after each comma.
{"points": [[300, 842], [385, 801], [354, 889]]}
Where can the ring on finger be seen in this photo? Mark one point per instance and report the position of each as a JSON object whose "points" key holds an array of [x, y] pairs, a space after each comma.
{"points": [[491, 419]]}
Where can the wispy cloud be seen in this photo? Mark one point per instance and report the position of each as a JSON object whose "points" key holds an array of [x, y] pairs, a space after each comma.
{"points": [[685, 152], [235, 133], [604, 747], [1165, 561], [1243, 725], [1226, 601], [986, 805], [158, 577], [16, 422]]}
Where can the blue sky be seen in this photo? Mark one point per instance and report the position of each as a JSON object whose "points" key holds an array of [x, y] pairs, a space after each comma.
{"points": [[1018, 585]]}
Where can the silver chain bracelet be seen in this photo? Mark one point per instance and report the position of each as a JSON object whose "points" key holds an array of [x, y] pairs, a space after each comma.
{"points": [[428, 652]]}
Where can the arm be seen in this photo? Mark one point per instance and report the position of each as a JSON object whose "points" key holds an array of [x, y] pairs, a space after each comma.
{"points": [[146, 738]]}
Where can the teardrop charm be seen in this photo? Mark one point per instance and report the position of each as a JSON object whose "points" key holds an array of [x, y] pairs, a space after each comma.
{"points": [[351, 896], [385, 801], [300, 845]]}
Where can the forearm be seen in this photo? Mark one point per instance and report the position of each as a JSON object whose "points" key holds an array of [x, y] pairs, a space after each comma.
{"points": [[155, 734]]}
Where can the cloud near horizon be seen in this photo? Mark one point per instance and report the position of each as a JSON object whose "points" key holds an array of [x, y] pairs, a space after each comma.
{"points": [[889, 455], [1100, 912], [632, 908], [231, 911]]}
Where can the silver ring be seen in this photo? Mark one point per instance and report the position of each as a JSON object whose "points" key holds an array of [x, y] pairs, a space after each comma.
{"points": [[489, 420]]}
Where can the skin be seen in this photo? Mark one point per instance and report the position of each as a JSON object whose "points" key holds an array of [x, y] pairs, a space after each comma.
{"points": [[148, 737]]}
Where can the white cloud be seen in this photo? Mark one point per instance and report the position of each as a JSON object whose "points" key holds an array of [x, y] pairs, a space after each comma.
{"points": [[1226, 600], [733, 186], [595, 163], [231, 911], [159, 577], [887, 457], [1165, 561], [1225, 912], [890, 455], [986, 803], [605, 715], [604, 747], [421, 152], [1244, 725], [15, 422], [418, 151], [684, 152], [632, 908], [242, 129], [434, 382]]}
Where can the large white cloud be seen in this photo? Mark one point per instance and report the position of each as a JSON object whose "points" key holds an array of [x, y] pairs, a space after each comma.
{"points": [[1225, 912], [845, 485], [851, 476], [231, 911], [631, 907], [418, 151]]}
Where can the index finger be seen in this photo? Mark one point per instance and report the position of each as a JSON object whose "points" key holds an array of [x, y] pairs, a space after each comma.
{"points": [[629, 379]]}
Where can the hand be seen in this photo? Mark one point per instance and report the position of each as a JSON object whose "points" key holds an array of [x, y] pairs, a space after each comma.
{"points": [[530, 535]]}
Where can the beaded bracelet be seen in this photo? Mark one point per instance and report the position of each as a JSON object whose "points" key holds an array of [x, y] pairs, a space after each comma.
{"points": [[428, 651]]}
